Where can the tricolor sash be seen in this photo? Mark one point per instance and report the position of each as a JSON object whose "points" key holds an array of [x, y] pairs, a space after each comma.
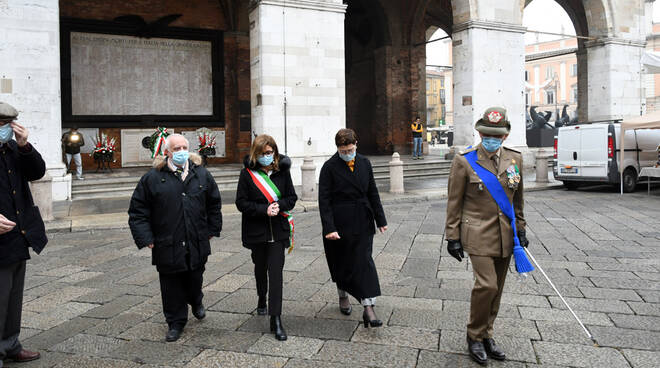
{"points": [[272, 194], [496, 191]]}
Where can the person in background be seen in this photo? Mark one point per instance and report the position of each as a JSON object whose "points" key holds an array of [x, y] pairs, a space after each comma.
{"points": [[175, 211], [264, 195], [72, 141], [349, 204], [21, 228], [417, 130]]}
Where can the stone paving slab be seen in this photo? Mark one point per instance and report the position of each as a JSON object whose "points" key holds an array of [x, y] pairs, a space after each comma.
{"points": [[579, 355], [302, 326], [91, 303], [293, 347], [367, 354]]}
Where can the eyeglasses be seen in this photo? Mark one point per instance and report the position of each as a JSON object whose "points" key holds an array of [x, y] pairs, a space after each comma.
{"points": [[267, 153], [347, 152]]}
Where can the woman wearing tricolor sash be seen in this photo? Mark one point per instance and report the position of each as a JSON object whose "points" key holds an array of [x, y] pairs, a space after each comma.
{"points": [[265, 195], [349, 205]]}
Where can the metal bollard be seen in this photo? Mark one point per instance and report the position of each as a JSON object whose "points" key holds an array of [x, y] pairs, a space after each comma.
{"points": [[308, 170], [42, 194], [542, 166], [396, 174]]}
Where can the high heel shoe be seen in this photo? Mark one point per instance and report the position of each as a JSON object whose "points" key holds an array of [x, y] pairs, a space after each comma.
{"points": [[277, 328], [345, 311], [370, 322]]}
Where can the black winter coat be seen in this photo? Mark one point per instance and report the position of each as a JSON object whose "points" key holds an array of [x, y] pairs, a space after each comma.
{"points": [[177, 217], [349, 204], [17, 168], [349, 201], [256, 226]]}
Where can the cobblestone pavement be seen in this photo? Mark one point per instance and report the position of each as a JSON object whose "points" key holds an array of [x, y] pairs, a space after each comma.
{"points": [[92, 299]]}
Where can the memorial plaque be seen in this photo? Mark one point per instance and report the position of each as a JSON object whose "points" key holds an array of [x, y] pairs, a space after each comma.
{"points": [[132, 152], [126, 75]]}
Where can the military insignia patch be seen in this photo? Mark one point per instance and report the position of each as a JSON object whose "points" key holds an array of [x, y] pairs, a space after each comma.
{"points": [[494, 117]]}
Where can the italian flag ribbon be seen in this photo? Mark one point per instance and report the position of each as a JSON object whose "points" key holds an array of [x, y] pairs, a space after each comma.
{"points": [[272, 194], [160, 141]]}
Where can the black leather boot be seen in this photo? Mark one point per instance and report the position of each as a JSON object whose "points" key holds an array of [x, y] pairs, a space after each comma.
{"points": [[477, 351], [493, 350], [277, 328]]}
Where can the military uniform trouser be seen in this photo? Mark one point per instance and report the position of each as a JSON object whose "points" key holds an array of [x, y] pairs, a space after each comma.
{"points": [[490, 274], [12, 280]]}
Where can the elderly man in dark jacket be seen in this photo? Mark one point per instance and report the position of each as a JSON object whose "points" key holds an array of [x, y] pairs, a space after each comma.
{"points": [[21, 227], [175, 211]]}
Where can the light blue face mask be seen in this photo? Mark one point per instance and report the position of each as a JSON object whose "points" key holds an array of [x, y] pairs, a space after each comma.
{"points": [[348, 158], [180, 157], [265, 160], [491, 144], [6, 133]]}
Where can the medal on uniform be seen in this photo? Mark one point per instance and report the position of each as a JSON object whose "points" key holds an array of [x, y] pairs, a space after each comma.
{"points": [[513, 175]]}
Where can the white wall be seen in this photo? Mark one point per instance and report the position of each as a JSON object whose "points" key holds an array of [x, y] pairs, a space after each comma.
{"points": [[297, 49], [30, 58], [489, 61]]}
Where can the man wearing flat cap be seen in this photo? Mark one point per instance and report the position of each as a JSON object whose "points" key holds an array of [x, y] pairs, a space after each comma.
{"points": [[477, 225], [21, 227]]}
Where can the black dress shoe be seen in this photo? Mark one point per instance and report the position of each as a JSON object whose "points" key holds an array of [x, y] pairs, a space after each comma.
{"points": [[493, 350], [262, 309], [277, 328], [172, 335], [199, 311], [477, 351]]}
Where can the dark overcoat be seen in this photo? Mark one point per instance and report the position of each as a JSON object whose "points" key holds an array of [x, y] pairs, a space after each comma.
{"points": [[349, 204], [17, 168], [177, 217], [256, 226]]}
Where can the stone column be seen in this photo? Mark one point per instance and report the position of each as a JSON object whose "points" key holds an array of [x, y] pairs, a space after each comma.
{"points": [[298, 75], [42, 194], [30, 79], [542, 157], [396, 174], [489, 64], [615, 87], [308, 180]]}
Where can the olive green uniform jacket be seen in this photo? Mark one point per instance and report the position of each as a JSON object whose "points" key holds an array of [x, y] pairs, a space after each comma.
{"points": [[473, 217]]}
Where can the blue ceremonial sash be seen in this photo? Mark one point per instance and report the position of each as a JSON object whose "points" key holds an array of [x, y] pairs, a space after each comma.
{"points": [[496, 191]]}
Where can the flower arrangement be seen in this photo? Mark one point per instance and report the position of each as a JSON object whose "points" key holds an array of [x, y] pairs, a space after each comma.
{"points": [[157, 141], [206, 139], [103, 145]]}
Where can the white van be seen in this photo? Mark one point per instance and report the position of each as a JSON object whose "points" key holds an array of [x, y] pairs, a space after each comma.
{"points": [[588, 153]]}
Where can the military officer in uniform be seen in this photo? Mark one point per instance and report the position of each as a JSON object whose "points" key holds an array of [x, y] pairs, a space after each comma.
{"points": [[476, 225]]}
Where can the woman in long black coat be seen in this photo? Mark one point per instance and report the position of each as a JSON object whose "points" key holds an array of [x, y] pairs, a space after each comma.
{"points": [[264, 229], [349, 204]]}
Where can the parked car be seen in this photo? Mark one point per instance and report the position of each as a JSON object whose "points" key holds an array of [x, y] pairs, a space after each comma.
{"points": [[587, 153]]}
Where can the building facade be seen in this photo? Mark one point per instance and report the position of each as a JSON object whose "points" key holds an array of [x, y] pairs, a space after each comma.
{"points": [[435, 98], [296, 69], [551, 76]]}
